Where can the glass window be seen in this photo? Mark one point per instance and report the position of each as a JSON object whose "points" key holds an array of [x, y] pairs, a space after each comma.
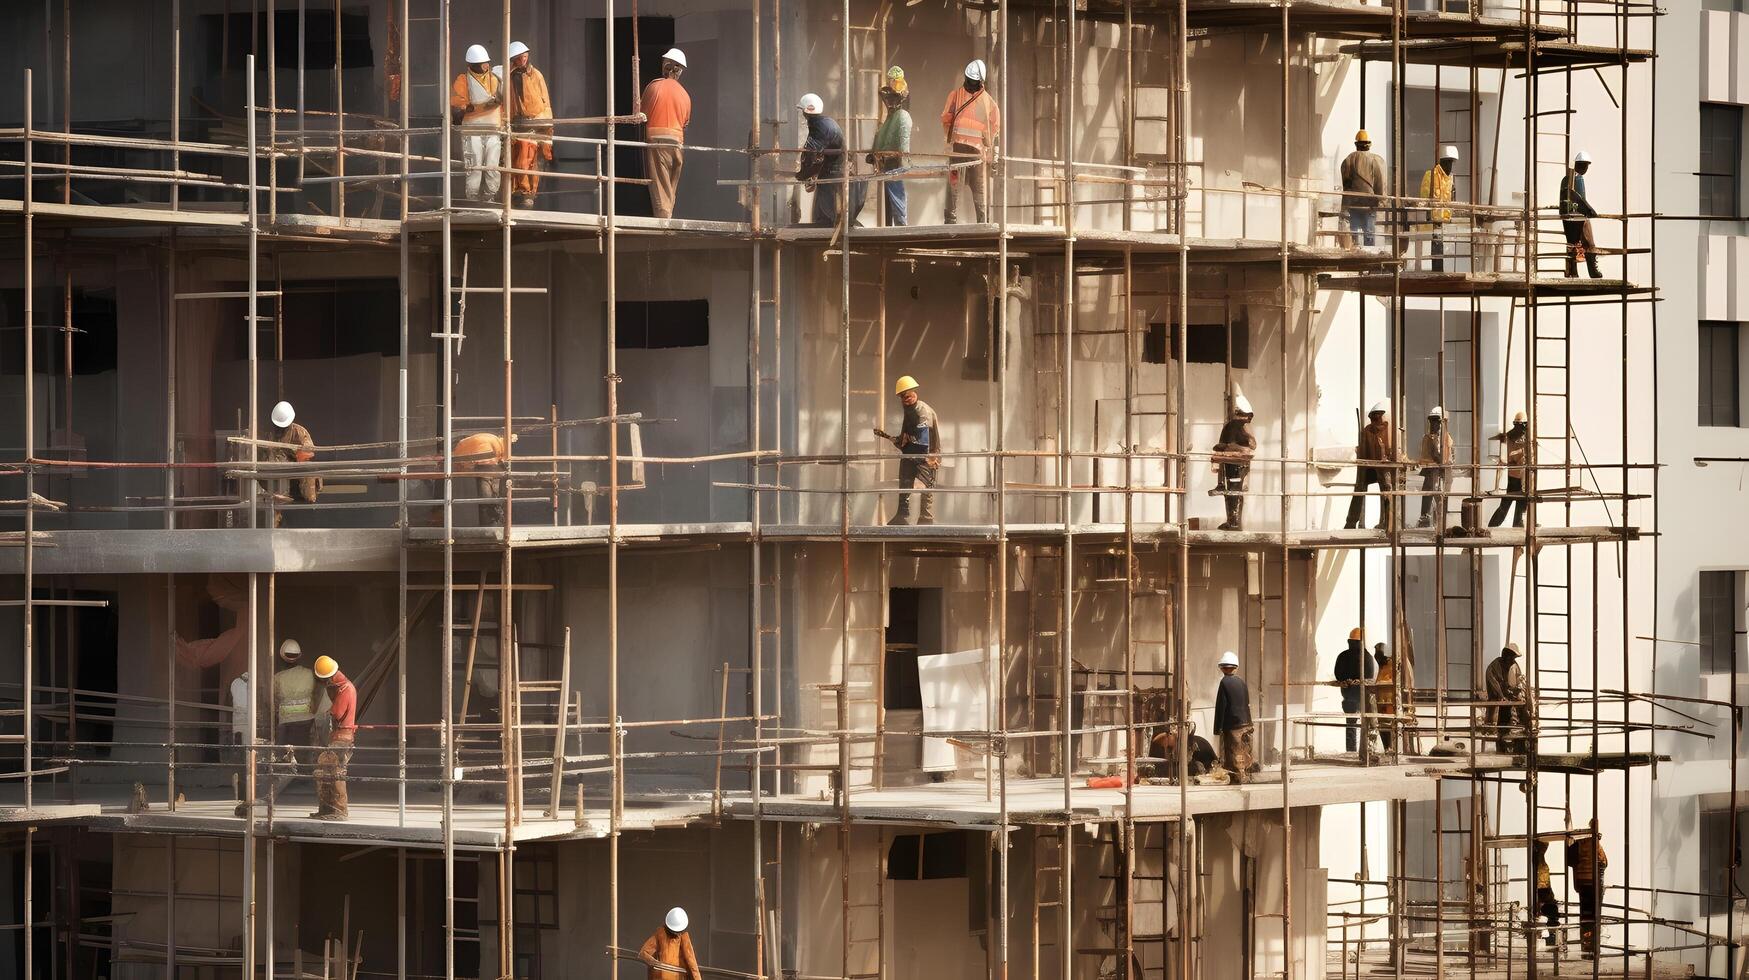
{"points": [[1720, 383], [1721, 129], [1718, 621]]}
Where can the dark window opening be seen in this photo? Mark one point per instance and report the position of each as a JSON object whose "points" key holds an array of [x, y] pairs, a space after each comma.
{"points": [[655, 36], [339, 318], [229, 41], [87, 637], [913, 630], [1721, 847], [1721, 133], [1718, 621], [1720, 384], [924, 857], [1207, 343], [94, 326], [660, 324]]}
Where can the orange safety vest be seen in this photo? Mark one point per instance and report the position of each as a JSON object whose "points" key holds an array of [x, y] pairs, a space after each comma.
{"points": [[971, 118]]}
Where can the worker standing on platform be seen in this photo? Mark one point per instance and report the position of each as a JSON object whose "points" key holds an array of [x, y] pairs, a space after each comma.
{"points": [[1587, 862], [331, 802], [1546, 905], [1378, 444], [1353, 670], [667, 112], [1364, 182], [1436, 455], [476, 103], [1385, 686], [822, 160], [1516, 442], [485, 453], [971, 123], [1233, 719], [297, 447], [668, 951], [920, 442], [1233, 461], [891, 143], [240, 734], [1576, 215], [1505, 683], [296, 701], [1436, 185], [531, 114]]}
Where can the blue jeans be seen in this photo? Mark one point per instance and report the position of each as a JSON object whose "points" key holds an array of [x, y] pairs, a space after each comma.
{"points": [[826, 203], [1363, 224], [894, 191]]}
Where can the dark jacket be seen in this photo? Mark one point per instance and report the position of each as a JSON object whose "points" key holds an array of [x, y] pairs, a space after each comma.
{"points": [[823, 153], [1573, 203], [920, 432], [1363, 179], [1349, 664], [1377, 442], [1232, 704], [1236, 438], [1202, 754]]}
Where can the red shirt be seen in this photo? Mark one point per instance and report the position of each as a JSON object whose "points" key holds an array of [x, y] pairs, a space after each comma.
{"points": [[344, 710]]}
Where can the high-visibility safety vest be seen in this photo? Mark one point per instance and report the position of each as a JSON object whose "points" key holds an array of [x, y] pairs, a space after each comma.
{"points": [[971, 118]]}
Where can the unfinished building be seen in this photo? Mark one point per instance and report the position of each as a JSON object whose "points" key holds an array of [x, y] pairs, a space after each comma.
{"points": [[672, 652]]}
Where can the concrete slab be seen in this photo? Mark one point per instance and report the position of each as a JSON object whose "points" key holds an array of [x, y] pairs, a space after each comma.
{"points": [[198, 550]]}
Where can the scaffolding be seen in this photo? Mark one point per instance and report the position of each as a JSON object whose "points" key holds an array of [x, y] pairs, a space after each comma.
{"points": [[1049, 535]]}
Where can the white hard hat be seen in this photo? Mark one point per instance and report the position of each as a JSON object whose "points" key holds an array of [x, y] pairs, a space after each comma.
{"points": [[676, 919], [675, 55], [516, 48], [810, 104], [1229, 659], [282, 414], [1449, 153], [1436, 412], [975, 69], [1581, 157], [1379, 407], [291, 650], [1241, 406], [476, 54]]}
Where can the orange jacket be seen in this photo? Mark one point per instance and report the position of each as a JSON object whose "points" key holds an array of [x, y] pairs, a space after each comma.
{"points": [[668, 109], [671, 950], [528, 96], [971, 118], [464, 94], [476, 444]]}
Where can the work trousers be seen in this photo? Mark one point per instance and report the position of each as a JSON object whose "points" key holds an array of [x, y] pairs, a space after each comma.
{"points": [[893, 199], [527, 155], [914, 469], [1363, 225], [331, 775], [1387, 727], [1364, 478], [973, 177], [1436, 247], [291, 736], [1550, 910], [1433, 483], [490, 490], [1230, 482], [481, 154], [1351, 705], [662, 165], [1511, 727], [1236, 754], [1590, 910], [1514, 499], [1580, 242], [825, 210]]}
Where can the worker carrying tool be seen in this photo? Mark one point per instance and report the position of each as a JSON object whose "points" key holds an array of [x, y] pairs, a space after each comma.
{"points": [[1202, 755], [1233, 720], [297, 703], [1436, 185], [1435, 463], [486, 454], [1353, 670], [667, 112], [1546, 905], [1378, 444], [891, 143], [331, 803], [1586, 863], [1364, 183], [1232, 461], [920, 441], [971, 123], [296, 447], [1505, 683], [1576, 215], [822, 160], [476, 103], [531, 116], [668, 951], [1516, 443]]}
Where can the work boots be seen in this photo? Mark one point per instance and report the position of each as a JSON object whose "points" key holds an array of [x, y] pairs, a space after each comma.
{"points": [[926, 511], [902, 516], [1356, 511], [1235, 513], [1591, 265]]}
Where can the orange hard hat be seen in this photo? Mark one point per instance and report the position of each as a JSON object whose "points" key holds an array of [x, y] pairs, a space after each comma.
{"points": [[326, 666], [1355, 633]]}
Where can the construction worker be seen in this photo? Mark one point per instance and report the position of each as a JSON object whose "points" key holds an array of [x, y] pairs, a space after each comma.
{"points": [[1385, 694], [1435, 462], [531, 113], [1353, 670], [1436, 185], [1586, 863], [297, 447], [891, 143], [1401, 676], [1516, 442], [331, 763], [1505, 683], [296, 701], [486, 453], [822, 159], [667, 111], [1233, 719], [1546, 905], [240, 735], [1202, 755], [668, 951], [919, 440], [1576, 215], [476, 105], [1378, 444], [972, 123], [1233, 461], [1363, 183]]}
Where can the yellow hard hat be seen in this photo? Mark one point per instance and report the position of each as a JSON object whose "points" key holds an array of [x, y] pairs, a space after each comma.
{"points": [[1355, 633], [905, 383], [1363, 137], [326, 666], [1518, 416]]}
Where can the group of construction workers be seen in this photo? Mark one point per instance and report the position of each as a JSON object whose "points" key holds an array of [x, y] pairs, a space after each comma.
{"points": [[315, 710], [1389, 688], [1586, 863], [481, 101], [1366, 186], [970, 125]]}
